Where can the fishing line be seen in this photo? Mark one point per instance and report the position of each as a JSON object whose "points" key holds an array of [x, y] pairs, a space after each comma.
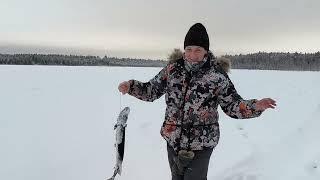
{"points": [[120, 101]]}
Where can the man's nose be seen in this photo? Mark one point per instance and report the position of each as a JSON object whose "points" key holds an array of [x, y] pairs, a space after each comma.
{"points": [[193, 56]]}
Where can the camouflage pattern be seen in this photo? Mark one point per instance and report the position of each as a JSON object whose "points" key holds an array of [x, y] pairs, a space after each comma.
{"points": [[192, 98]]}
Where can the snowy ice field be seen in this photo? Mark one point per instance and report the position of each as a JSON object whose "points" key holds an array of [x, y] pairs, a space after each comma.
{"points": [[56, 123]]}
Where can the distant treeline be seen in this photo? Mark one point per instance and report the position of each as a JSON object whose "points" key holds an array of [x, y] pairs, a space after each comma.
{"points": [[277, 61], [73, 60], [261, 60]]}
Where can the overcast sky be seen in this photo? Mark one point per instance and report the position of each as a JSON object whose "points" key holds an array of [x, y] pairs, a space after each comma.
{"points": [[152, 28]]}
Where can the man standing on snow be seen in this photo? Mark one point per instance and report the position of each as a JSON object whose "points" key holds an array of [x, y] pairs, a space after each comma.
{"points": [[194, 86]]}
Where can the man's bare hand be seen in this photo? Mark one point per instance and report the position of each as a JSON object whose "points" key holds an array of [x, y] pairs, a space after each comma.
{"points": [[265, 103], [124, 87]]}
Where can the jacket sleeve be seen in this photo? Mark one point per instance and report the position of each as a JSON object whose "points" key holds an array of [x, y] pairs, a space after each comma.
{"points": [[233, 104], [151, 90]]}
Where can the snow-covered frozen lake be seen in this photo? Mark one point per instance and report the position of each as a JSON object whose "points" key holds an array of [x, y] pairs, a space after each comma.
{"points": [[56, 123]]}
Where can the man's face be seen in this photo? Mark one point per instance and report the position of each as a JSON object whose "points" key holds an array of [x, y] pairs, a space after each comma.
{"points": [[194, 54]]}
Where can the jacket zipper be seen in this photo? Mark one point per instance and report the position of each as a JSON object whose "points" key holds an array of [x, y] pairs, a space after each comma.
{"points": [[187, 81]]}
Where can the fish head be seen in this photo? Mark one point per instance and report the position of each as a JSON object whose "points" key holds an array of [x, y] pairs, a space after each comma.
{"points": [[125, 110], [123, 116]]}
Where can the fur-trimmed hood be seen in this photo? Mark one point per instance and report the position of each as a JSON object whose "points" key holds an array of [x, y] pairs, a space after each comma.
{"points": [[223, 62]]}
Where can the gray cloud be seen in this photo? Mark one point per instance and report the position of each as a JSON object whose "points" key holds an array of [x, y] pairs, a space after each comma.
{"points": [[157, 26]]}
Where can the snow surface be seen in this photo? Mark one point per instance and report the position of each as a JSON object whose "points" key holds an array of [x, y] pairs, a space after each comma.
{"points": [[56, 123]]}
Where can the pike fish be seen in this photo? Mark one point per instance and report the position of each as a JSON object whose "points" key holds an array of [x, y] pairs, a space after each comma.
{"points": [[120, 128]]}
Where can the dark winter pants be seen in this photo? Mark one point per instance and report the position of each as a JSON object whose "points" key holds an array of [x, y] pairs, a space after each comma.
{"points": [[196, 170]]}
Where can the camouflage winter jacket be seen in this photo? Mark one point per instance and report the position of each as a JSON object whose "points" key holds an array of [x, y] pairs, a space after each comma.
{"points": [[191, 118]]}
